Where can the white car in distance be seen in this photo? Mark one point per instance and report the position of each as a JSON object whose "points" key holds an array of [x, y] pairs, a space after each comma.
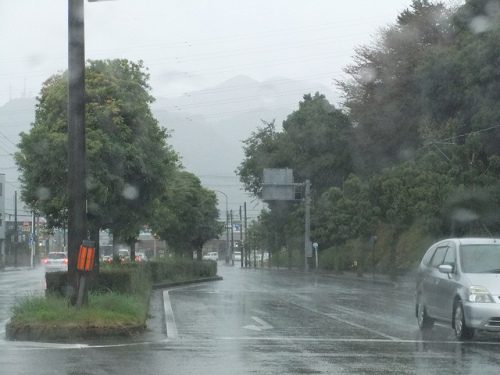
{"points": [[211, 256]]}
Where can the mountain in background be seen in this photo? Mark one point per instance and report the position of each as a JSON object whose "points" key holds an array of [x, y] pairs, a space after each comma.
{"points": [[207, 128]]}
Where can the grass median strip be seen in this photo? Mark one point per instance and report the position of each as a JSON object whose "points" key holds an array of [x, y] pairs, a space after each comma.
{"points": [[103, 310], [52, 317], [109, 312]]}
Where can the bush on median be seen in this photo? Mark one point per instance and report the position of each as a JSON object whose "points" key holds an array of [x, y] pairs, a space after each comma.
{"points": [[118, 301]]}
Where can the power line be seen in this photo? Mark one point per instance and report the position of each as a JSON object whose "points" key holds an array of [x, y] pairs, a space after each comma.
{"points": [[463, 135]]}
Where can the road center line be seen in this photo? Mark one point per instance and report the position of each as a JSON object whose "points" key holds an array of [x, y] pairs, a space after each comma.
{"points": [[169, 316]]}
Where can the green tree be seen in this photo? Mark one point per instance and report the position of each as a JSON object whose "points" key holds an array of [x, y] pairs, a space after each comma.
{"points": [[343, 214], [128, 158], [186, 214], [383, 93], [314, 143]]}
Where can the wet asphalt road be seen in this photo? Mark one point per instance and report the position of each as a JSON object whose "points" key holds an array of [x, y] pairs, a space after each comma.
{"points": [[260, 322]]}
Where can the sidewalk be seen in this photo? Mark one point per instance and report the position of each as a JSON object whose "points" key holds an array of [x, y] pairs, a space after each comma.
{"points": [[19, 268], [403, 282], [406, 282]]}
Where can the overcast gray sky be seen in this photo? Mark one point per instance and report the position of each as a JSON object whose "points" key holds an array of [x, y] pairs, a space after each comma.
{"points": [[191, 44]]}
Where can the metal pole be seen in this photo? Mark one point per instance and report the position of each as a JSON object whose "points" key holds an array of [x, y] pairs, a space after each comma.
{"points": [[77, 228], [247, 252], [232, 238], [227, 226], [32, 240], [316, 253], [307, 225], [242, 251], [154, 247], [16, 232]]}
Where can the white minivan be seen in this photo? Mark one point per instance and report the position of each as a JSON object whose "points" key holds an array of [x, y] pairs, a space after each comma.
{"points": [[458, 282]]}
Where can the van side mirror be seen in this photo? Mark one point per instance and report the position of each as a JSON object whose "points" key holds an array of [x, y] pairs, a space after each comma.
{"points": [[445, 268]]}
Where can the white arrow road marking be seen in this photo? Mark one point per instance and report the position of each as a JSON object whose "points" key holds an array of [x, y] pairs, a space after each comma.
{"points": [[263, 325]]}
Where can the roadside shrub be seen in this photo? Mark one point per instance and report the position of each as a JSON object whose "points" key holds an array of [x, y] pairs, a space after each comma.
{"points": [[178, 269], [411, 246], [335, 258], [113, 279], [134, 278]]}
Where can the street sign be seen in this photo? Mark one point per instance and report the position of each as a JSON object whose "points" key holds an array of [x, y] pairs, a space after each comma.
{"points": [[278, 185]]}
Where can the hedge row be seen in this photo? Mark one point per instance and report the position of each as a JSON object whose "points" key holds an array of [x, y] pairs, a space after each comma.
{"points": [[134, 277]]}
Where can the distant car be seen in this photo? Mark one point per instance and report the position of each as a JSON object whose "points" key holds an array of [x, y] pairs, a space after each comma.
{"points": [[107, 259], [213, 255], [56, 261], [458, 282], [141, 257], [237, 255], [124, 255]]}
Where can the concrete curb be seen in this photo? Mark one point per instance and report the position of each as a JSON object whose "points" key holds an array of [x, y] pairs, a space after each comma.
{"points": [[167, 285], [348, 276]]}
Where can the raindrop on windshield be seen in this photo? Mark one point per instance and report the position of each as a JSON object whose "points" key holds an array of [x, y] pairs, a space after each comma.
{"points": [[130, 192]]}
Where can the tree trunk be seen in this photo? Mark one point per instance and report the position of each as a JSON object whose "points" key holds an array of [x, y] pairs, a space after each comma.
{"points": [[94, 236], [115, 246], [289, 251], [132, 250]]}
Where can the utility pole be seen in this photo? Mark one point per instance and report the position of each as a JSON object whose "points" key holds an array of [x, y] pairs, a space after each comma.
{"points": [[32, 240], [16, 233], [307, 228], [232, 238], [77, 228], [228, 246], [241, 240], [247, 253]]}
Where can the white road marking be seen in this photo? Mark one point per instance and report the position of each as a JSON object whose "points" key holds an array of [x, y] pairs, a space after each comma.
{"points": [[263, 325], [353, 340], [30, 345], [356, 325], [169, 316], [33, 345]]}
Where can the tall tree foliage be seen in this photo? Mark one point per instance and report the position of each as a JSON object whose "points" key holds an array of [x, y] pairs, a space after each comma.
{"points": [[424, 104], [128, 158], [186, 214], [382, 94], [314, 143]]}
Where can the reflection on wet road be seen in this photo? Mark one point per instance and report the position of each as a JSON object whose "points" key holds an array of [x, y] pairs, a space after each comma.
{"points": [[270, 322]]}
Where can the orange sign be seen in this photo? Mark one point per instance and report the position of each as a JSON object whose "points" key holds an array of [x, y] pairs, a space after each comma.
{"points": [[86, 257]]}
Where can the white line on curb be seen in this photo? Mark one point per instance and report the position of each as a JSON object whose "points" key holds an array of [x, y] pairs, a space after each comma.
{"points": [[169, 316]]}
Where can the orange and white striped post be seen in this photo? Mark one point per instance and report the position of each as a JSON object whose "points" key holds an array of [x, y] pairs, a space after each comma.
{"points": [[84, 265]]}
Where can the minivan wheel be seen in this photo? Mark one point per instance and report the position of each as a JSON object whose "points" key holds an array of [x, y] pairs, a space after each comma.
{"points": [[423, 320], [461, 330]]}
